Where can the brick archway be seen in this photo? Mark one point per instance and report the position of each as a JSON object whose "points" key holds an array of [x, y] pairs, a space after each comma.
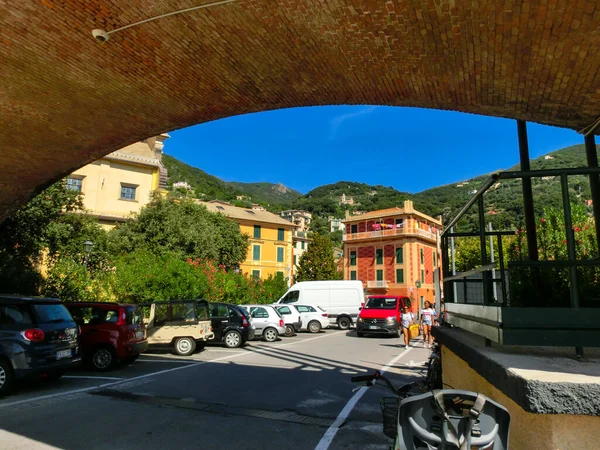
{"points": [[66, 100]]}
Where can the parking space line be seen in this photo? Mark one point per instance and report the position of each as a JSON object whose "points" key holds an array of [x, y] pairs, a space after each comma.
{"points": [[174, 361], [140, 377], [83, 377], [327, 438]]}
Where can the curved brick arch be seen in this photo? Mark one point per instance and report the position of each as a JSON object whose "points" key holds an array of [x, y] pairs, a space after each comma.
{"points": [[66, 100]]}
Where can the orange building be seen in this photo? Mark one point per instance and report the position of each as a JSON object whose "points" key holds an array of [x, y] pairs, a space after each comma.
{"points": [[393, 251]]}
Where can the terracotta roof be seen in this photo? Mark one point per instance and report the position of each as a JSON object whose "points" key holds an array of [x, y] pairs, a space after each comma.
{"points": [[246, 214]]}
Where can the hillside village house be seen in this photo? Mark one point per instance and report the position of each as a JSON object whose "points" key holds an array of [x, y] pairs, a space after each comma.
{"points": [[393, 251], [299, 217], [122, 182], [270, 250]]}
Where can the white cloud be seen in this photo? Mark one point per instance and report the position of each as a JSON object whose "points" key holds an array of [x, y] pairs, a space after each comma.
{"points": [[337, 121]]}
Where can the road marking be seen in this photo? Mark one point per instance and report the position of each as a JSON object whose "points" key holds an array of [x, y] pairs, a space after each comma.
{"points": [[327, 438], [196, 361], [139, 377], [92, 377]]}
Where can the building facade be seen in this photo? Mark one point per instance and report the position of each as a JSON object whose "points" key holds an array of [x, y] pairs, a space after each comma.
{"points": [[393, 251], [122, 182], [270, 251], [301, 219]]}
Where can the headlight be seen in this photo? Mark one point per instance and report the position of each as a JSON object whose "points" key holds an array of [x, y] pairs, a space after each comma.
{"points": [[360, 319], [390, 319]]}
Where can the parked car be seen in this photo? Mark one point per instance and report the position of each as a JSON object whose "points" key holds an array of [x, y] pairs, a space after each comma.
{"points": [[291, 318], [314, 318], [268, 323], [381, 315], [110, 332], [37, 337], [182, 324], [342, 299], [231, 324]]}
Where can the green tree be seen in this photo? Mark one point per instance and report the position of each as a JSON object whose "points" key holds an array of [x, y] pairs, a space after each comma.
{"points": [[181, 227], [317, 262], [25, 234]]}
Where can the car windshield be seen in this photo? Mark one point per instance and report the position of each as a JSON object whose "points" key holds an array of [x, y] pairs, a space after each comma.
{"points": [[381, 303], [51, 313]]}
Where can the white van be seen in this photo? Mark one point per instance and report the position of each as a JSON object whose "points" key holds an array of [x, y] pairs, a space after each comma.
{"points": [[341, 299]]}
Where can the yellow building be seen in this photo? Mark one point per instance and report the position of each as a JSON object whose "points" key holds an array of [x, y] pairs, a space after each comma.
{"points": [[122, 182], [270, 250]]}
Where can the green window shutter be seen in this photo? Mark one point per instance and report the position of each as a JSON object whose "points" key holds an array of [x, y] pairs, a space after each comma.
{"points": [[280, 234], [280, 273], [256, 231], [422, 256], [353, 258], [379, 256], [422, 276], [256, 274], [399, 255], [303, 245], [380, 275], [399, 275], [353, 274], [295, 259], [279, 254], [256, 252]]}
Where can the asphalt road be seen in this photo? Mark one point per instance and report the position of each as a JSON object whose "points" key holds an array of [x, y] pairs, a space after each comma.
{"points": [[294, 393]]}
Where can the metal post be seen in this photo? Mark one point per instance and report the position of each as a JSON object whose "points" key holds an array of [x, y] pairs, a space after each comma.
{"points": [[484, 275], [494, 289], [570, 249], [453, 260], [527, 192], [592, 160]]}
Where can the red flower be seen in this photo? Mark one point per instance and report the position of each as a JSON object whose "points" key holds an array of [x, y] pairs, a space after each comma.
{"points": [[543, 220], [565, 241], [577, 229]]}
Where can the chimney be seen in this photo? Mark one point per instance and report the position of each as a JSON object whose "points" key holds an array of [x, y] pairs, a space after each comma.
{"points": [[408, 206]]}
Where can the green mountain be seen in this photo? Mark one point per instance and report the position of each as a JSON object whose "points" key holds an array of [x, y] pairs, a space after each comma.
{"points": [[273, 194]]}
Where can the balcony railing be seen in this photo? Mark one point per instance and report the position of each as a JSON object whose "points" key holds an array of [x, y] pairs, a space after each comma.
{"points": [[389, 233], [381, 284], [525, 301]]}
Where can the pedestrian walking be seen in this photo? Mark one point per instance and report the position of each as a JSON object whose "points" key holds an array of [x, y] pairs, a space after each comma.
{"points": [[427, 315], [407, 319]]}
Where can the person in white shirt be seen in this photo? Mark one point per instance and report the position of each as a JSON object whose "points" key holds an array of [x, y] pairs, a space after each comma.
{"points": [[427, 316], [407, 318]]}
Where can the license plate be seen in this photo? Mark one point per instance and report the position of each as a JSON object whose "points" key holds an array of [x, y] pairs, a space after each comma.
{"points": [[63, 354], [139, 334], [373, 327]]}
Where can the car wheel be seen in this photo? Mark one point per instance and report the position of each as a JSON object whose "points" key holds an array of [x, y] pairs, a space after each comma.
{"points": [[103, 358], [6, 378], [185, 346], [270, 335], [232, 339], [344, 323], [314, 326], [289, 331]]}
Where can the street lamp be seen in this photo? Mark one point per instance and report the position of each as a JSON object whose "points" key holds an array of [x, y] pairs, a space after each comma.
{"points": [[236, 269], [87, 247], [418, 285]]}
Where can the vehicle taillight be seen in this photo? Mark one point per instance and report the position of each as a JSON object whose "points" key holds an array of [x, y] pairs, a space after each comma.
{"points": [[324, 314], [281, 324], [33, 334], [244, 322], [122, 320]]}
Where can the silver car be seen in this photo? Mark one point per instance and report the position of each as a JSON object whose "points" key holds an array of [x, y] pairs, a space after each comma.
{"points": [[267, 321]]}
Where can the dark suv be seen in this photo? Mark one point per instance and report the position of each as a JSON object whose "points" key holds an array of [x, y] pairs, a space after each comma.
{"points": [[37, 337], [231, 324], [110, 332]]}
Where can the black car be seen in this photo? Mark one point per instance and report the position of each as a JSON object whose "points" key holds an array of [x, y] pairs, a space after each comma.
{"points": [[231, 324], [37, 337]]}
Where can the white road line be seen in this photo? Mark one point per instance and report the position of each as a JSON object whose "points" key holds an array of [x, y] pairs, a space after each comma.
{"points": [[140, 377], [92, 377], [196, 361], [327, 438]]}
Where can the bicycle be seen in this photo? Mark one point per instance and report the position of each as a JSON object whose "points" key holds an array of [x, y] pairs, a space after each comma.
{"points": [[448, 419]]}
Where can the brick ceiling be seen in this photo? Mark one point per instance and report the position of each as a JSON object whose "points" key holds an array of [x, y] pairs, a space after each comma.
{"points": [[66, 100]]}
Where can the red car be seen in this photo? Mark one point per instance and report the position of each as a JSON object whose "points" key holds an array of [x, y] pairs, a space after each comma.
{"points": [[110, 332], [381, 315]]}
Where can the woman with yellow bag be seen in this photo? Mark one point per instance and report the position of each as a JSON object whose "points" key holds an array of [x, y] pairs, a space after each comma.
{"points": [[407, 320]]}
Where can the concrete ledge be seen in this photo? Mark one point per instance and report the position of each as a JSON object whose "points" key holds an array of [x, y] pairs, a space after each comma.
{"points": [[541, 380]]}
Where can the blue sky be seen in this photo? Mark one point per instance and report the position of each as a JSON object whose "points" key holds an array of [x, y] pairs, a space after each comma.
{"points": [[410, 149]]}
